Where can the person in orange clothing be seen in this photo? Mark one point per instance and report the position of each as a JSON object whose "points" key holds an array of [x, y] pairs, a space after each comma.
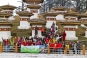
{"points": [[42, 31]]}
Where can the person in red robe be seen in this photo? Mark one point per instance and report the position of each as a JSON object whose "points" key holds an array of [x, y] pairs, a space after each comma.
{"points": [[36, 30], [64, 36]]}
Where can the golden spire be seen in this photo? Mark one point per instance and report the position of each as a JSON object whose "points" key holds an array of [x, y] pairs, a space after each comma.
{"points": [[70, 10], [25, 9], [8, 3], [4, 17], [59, 5], [34, 3], [69, 18]]}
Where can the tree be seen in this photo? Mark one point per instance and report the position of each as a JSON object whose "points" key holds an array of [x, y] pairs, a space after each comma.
{"points": [[80, 5]]}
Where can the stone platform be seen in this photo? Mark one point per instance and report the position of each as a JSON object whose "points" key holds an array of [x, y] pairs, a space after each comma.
{"points": [[27, 55]]}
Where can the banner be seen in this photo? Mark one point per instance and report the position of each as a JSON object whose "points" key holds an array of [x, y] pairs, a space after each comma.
{"points": [[32, 49]]}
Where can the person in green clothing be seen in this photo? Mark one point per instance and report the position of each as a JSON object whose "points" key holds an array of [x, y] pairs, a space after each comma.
{"points": [[11, 44]]}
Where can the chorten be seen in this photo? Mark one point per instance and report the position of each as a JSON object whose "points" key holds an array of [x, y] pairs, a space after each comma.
{"points": [[53, 14], [39, 23], [8, 8], [33, 6], [36, 23], [71, 24], [83, 19], [5, 26], [24, 18]]}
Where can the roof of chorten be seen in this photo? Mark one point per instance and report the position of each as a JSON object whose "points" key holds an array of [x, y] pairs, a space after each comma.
{"points": [[83, 14], [33, 1], [5, 22], [70, 12], [24, 13], [8, 7], [37, 21], [52, 13], [34, 6], [59, 7], [73, 9], [69, 22], [3, 14]]}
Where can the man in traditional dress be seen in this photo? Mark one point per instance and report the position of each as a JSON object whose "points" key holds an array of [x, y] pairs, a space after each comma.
{"points": [[36, 32], [64, 36]]}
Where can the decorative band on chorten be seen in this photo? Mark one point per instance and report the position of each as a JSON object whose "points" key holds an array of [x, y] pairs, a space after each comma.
{"points": [[83, 20], [24, 19], [5, 29], [34, 10], [70, 29], [50, 18], [9, 12], [38, 28], [70, 18]]}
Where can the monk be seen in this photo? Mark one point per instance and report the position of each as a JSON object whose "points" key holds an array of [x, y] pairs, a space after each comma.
{"points": [[64, 36], [36, 32]]}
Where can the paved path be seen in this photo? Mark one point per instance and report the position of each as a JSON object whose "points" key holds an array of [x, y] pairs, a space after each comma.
{"points": [[27, 55]]}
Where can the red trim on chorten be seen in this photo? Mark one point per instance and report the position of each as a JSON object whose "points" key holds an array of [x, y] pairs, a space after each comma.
{"points": [[34, 10], [70, 18], [70, 29], [24, 19], [83, 20], [5, 29], [50, 18]]}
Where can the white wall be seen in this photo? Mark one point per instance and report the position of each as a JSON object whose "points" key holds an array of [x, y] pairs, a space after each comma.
{"points": [[49, 23], [24, 25], [5, 35], [85, 33], [71, 35], [33, 33], [60, 17], [34, 16], [39, 33]]}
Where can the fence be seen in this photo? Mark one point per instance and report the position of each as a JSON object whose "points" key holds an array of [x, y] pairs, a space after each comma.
{"points": [[48, 50]]}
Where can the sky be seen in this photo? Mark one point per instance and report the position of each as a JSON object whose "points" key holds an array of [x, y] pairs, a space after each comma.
{"points": [[11, 2]]}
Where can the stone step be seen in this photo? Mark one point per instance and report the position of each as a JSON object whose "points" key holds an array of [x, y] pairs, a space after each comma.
{"points": [[27, 55]]}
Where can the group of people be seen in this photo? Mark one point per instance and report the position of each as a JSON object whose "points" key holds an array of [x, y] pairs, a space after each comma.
{"points": [[54, 44]]}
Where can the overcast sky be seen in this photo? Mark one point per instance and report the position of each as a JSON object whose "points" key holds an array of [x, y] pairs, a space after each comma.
{"points": [[11, 2]]}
